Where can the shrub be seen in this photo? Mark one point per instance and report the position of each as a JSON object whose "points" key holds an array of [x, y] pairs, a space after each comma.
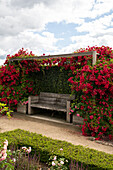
{"points": [[48, 147]]}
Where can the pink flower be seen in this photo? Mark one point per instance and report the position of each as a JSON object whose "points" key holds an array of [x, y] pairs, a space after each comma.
{"points": [[26, 102], [55, 158], [91, 117], [75, 107], [61, 149], [78, 115], [3, 157], [28, 150]]}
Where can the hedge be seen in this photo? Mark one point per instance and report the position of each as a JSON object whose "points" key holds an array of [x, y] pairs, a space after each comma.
{"points": [[53, 79], [48, 146]]}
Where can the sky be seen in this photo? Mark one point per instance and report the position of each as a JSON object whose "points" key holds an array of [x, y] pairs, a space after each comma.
{"points": [[54, 26]]}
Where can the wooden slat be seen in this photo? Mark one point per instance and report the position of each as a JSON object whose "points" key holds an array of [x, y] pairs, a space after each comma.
{"points": [[49, 107], [48, 98], [34, 99], [45, 94], [51, 102], [56, 95], [61, 104]]}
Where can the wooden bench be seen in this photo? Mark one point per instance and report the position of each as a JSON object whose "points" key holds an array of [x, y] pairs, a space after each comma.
{"points": [[51, 101]]}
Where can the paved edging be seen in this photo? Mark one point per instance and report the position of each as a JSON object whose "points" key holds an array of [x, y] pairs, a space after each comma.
{"points": [[101, 142]]}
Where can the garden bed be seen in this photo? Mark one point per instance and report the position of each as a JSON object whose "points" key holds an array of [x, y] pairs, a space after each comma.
{"points": [[47, 147]]}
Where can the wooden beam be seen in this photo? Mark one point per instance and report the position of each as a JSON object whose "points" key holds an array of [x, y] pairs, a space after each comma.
{"points": [[57, 56], [94, 58]]}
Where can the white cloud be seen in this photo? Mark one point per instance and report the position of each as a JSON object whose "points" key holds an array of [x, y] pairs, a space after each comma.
{"points": [[97, 25], [23, 23], [101, 7], [30, 40], [17, 17]]}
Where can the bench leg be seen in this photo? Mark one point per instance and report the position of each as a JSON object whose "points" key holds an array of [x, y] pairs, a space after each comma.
{"points": [[30, 110], [68, 110]]}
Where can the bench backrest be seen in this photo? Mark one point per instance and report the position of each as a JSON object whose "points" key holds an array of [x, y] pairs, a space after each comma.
{"points": [[54, 98]]}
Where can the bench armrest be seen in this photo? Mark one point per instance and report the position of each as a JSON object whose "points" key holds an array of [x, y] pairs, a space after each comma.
{"points": [[33, 99]]}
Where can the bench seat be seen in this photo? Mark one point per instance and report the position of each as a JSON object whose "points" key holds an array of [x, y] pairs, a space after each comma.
{"points": [[49, 107], [51, 101]]}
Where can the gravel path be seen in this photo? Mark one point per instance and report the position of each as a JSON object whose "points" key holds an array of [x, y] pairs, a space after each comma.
{"points": [[54, 130]]}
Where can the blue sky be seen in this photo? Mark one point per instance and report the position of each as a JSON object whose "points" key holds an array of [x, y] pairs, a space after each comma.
{"points": [[54, 27]]}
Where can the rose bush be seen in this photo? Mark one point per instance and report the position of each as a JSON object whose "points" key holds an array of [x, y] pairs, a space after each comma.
{"points": [[94, 86], [15, 82]]}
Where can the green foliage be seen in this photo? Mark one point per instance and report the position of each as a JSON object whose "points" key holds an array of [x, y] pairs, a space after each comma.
{"points": [[54, 80], [1, 87], [4, 110], [47, 147]]}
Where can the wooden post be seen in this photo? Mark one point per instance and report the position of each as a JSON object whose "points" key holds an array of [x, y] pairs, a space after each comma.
{"points": [[30, 110], [68, 110], [29, 105], [94, 58]]}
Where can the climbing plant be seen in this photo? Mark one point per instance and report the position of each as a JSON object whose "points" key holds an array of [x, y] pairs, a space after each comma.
{"points": [[92, 85]]}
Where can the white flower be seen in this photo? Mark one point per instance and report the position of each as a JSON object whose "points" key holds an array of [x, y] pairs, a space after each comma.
{"points": [[14, 160], [62, 162], [24, 148], [53, 163], [5, 147], [6, 142]]}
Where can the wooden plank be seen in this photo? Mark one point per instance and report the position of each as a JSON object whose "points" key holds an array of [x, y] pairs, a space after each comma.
{"points": [[66, 96], [51, 102], [61, 102], [48, 98], [35, 99], [52, 56], [49, 107], [56, 95], [46, 94]]}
